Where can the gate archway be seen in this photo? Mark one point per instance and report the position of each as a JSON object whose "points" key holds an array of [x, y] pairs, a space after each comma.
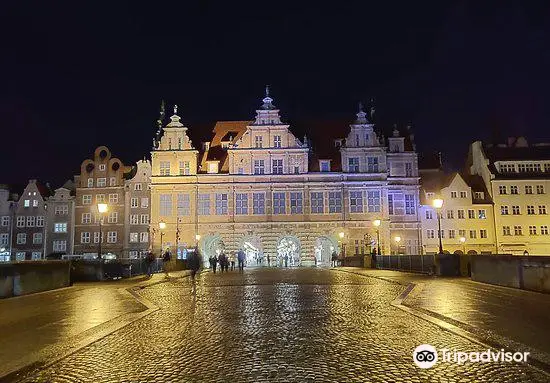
{"points": [[288, 251], [253, 250], [212, 245], [324, 247]]}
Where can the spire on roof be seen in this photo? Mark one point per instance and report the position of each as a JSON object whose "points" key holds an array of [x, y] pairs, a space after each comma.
{"points": [[175, 119], [361, 115], [268, 101], [372, 109]]}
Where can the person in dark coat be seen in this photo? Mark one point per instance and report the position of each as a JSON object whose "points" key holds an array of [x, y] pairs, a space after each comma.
{"points": [[224, 263], [240, 259], [214, 263], [149, 259], [334, 259], [194, 263], [166, 258]]}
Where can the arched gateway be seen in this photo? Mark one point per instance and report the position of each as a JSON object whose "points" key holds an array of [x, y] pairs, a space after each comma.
{"points": [[288, 251]]}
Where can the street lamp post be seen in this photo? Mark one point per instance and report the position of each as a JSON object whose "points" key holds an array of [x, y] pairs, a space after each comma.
{"points": [[437, 204], [101, 208], [463, 241], [377, 223], [162, 226], [341, 235]]}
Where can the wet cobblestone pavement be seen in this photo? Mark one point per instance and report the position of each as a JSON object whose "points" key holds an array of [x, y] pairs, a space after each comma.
{"points": [[271, 325]]}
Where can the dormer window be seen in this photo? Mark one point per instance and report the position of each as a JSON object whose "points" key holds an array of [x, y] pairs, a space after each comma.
{"points": [[480, 195], [225, 145], [277, 141], [213, 167], [259, 141], [102, 167], [324, 165], [338, 143]]}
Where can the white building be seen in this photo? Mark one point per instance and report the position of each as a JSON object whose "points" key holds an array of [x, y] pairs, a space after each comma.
{"points": [[517, 176], [255, 186], [467, 225]]}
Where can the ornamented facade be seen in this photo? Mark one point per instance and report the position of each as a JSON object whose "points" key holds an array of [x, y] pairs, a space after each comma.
{"points": [[253, 187]]}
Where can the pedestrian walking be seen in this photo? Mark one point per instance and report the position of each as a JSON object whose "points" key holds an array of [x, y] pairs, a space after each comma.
{"points": [[373, 265], [232, 257], [240, 259], [223, 261], [214, 263], [334, 259], [149, 259], [268, 261], [194, 264], [166, 258], [286, 260]]}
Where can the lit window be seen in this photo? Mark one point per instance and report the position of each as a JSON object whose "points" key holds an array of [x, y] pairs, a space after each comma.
{"points": [[102, 167], [134, 237], [100, 198], [277, 141], [101, 182], [60, 227], [144, 202], [482, 214], [112, 181], [324, 165], [27, 203]]}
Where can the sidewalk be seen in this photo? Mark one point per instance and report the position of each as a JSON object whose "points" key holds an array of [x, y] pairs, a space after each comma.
{"points": [[36, 327], [498, 313]]}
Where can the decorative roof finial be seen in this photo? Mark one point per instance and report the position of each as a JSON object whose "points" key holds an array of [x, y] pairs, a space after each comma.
{"points": [[268, 101], [361, 115], [175, 109], [267, 90]]}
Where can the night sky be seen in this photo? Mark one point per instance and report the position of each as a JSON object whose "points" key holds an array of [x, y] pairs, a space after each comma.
{"points": [[75, 76]]}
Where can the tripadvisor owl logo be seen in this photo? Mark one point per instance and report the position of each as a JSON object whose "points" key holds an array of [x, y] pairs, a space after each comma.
{"points": [[425, 356]]}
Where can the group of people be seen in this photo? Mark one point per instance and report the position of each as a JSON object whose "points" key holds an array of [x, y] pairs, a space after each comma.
{"points": [[227, 261]]}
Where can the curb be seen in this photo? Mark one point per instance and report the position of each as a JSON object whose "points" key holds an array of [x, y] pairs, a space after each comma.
{"points": [[537, 359], [50, 355]]}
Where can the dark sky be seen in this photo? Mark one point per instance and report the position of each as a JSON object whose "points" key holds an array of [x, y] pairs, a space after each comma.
{"points": [[80, 74]]}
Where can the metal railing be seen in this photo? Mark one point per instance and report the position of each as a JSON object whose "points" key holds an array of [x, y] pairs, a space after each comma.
{"points": [[415, 263]]}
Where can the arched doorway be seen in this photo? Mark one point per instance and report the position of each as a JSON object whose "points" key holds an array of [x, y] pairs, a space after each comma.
{"points": [[459, 252], [211, 245], [472, 252], [252, 247], [324, 247], [288, 251]]}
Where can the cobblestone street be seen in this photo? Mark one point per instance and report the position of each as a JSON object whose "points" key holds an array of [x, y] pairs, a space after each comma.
{"points": [[267, 325]]}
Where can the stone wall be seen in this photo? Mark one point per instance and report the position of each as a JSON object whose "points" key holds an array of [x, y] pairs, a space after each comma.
{"points": [[529, 273], [21, 278]]}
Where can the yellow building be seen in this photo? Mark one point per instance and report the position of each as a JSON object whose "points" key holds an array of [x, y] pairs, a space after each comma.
{"points": [[467, 225], [258, 187], [517, 176]]}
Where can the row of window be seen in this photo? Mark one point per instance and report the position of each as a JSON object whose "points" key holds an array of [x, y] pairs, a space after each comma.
{"points": [[184, 168], [430, 233], [111, 218], [373, 166], [514, 189], [518, 230], [139, 237], [30, 221], [139, 219], [517, 211], [528, 167], [450, 214], [282, 202], [134, 202], [100, 198], [58, 245], [85, 237], [259, 142], [455, 194], [22, 238], [101, 182]]}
